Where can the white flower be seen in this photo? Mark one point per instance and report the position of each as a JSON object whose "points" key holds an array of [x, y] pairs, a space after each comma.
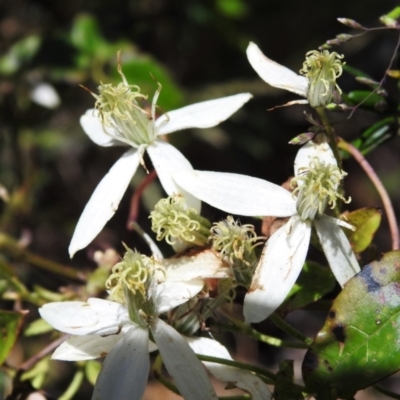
{"points": [[317, 178], [320, 70], [119, 120], [107, 328]]}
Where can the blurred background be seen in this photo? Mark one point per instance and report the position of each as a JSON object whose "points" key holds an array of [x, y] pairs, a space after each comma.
{"points": [[196, 50]]}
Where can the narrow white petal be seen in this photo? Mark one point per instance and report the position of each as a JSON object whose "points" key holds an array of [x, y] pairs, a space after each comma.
{"points": [[238, 194], [104, 201], [201, 115], [204, 264], [242, 379], [337, 250], [91, 124], [173, 294], [185, 368], [310, 151], [280, 265], [126, 368], [167, 159], [89, 347], [96, 316], [275, 74]]}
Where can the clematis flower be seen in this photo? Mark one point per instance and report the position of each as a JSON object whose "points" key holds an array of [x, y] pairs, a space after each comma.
{"points": [[317, 178], [118, 119], [320, 70], [120, 329]]}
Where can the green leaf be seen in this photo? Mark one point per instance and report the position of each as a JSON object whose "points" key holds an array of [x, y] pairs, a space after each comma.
{"points": [[366, 221], [140, 71], [314, 282], [359, 343], [38, 327], [284, 387], [20, 53], [366, 97], [10, 323], [92, 370], [85, 34]]}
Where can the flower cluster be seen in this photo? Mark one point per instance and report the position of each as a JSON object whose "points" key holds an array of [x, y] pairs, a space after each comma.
{"points": [[160, 304]]}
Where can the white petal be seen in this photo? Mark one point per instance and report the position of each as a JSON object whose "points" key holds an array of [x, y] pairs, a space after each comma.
{"points": [[173, 294], [238, 194], [45, 95], [279, 266], [337, 249], [126, 368], [310, 151], [89, 347], [185, 368], [201, 115], [96, 316], [91, 124], [275, 74], [104, 201], [203, 264], [242, 379], [166, 160]]}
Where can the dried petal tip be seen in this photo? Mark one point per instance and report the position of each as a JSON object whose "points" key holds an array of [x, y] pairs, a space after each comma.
{"points": [[322, 68]]}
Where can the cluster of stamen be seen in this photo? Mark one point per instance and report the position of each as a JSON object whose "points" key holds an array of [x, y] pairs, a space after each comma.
{"points": [[236, 243], [316, 187], [322, 68], [173, 221]]}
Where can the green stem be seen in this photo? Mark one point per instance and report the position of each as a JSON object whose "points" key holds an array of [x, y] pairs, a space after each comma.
{"points": [[260, 371], [329, 132], [283, 325], [260, 337], [157, 373], [12, 247], [386, 392], [73, 386]]}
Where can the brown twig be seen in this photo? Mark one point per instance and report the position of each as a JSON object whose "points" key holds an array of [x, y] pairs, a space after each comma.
{"points": [[387, 204]]}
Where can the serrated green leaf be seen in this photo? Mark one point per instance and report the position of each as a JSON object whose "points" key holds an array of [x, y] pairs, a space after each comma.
{"points": [[314, 282], [359, 343], [38, 327], [366, 221], [92, 370], [10, 323], [284, 387]]}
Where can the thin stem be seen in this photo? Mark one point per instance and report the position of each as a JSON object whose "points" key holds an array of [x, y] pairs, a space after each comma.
{"points": [[387, 204], [74, 386], [386, 392], [11, 246], [28, 364], [260, 371], [283, 325], [272, 341], [157, 373], [329, 132]]}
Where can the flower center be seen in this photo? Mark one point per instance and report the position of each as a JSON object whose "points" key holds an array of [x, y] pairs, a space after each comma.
{"points": [[316, 187], [121, 115], [172, 220], [130, 283], [236, 243], [322, 68]]}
